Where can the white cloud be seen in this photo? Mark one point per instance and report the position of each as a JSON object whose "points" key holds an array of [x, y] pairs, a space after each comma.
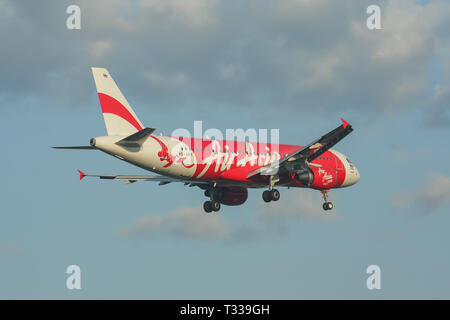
{"points": [[297, 205], [322, 71], [104, 17], [191, 13], [430, 197], [100, 49], [231, 72], [162, 81], [183, 223], [6, 10], [10, 252], [270, 219], [441, 93], [407, 32], [306, 56]]}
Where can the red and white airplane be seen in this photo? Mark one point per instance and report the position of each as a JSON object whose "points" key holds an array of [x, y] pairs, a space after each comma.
{"points": [[224, 169]]}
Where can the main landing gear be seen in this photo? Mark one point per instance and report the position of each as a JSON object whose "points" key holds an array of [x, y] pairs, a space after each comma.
{"points": [[327, 205], [271, 195], [210, 206], [213, 204]]}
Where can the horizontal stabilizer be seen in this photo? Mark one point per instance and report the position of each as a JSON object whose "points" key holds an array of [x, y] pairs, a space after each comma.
{"points": [[138, 137], [76, 147], [82, 175]]}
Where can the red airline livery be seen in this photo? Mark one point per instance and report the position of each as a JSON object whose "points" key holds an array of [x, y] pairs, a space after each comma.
{"points": [[224, 169]]}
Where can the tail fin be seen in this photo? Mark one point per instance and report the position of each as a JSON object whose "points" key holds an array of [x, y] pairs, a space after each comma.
{"points": [[120, 118]]}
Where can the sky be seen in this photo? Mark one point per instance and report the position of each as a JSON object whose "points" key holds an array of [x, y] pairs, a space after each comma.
{"points": [[296, 66]]}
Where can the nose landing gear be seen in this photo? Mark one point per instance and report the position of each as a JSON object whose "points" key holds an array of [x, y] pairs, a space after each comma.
{"points": [[327, 205]]}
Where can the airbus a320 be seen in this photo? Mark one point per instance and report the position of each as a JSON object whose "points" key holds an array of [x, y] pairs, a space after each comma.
{"points": [[224, 169]]}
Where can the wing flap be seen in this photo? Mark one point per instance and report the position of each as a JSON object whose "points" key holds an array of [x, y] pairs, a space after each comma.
{"points": [[131, 178]]}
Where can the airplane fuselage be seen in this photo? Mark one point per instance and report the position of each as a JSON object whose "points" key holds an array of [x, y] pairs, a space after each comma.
{"points": [[226, 162]]}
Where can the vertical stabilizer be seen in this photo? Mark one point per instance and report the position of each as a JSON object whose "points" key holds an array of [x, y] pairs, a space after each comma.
{"points": [[119, 117]]}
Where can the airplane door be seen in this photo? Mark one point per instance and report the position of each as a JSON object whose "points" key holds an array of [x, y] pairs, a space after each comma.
{"points": [[340, 172]]}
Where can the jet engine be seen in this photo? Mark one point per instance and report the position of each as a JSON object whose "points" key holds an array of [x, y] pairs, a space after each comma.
{"points": [[305, 176], [317, 177]]}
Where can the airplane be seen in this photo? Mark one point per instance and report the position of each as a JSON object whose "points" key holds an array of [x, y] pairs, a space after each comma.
{"points": [[224, 169]]}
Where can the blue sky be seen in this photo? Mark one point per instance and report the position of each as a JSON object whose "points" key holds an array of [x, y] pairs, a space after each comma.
{"points": [[296, 66]]}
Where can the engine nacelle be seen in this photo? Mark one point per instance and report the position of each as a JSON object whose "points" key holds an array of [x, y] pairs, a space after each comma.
{"points": [[317, 177], [233, 196], [306, 176]]}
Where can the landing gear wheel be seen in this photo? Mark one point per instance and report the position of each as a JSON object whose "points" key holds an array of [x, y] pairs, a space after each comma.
{"points": [[330, 205], [207, 206], [207, 193], [215, 205], [327, 206], [274, 195], [266, 196]]}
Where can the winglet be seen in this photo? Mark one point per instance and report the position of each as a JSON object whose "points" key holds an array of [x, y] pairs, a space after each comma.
{"points": [[82, 175], [344, 123]]}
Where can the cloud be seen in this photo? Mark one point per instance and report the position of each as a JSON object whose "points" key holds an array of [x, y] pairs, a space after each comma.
{"points": [[168, 82], [6, 10], [183, 223], [243, 233], [430, 197], [100, 49], [10, 252], [192, 13], [296, 206], [282, 53], [272, 219], [438, 115]]}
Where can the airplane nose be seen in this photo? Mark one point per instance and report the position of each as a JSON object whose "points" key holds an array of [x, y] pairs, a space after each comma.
{"points": [[351, 177], [356, 175]]}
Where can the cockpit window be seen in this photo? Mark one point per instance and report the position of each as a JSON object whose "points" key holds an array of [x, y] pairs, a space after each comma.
{"points": [[350, 164]]}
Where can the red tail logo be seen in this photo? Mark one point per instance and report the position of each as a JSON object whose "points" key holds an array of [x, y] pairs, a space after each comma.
{"points": [[164, 153]]}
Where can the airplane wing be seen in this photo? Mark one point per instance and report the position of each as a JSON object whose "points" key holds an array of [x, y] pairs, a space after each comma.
{"points": [[130, 178], [308, 153]]}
